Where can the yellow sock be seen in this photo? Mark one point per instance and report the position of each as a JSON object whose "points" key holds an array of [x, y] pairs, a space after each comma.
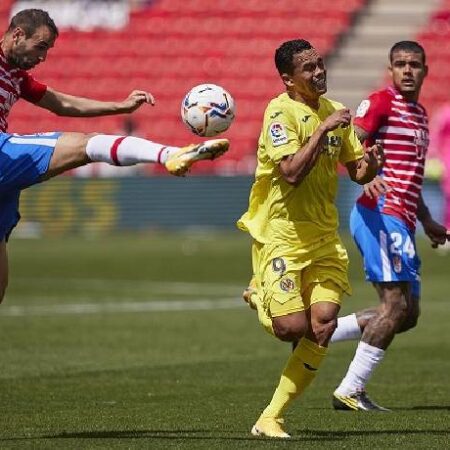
{"points": [[300, 370]]}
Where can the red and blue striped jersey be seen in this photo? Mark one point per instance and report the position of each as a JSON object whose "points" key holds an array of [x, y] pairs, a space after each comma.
{"points": [[401, 127]]}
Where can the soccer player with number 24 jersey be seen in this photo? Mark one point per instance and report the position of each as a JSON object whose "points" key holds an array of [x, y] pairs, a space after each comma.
{"points": [[383, 221]]}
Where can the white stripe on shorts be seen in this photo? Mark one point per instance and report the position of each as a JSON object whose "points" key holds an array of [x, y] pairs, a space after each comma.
{"points": [[37, 141], [387, 271]]}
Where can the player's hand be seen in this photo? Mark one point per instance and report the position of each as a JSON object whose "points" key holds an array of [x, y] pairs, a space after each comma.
{"points": [[437, 233], [341, 117], [376, 188], [135, 100], [374, 156]]}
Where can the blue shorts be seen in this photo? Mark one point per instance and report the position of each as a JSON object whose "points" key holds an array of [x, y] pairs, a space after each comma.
{"points": [[23, 161], [388, 247]]}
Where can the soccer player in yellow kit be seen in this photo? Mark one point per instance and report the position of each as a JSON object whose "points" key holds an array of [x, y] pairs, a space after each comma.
{"points": [[299, 262]]}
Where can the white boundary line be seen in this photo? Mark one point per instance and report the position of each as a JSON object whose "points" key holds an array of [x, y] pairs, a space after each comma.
{"points": [[173, 288], [120, 307]]}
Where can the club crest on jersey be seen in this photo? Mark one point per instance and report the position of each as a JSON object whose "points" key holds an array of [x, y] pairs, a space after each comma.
{"points": [[362, 108], [421, 140], [397, 263], [278, 134], [286, 284]]}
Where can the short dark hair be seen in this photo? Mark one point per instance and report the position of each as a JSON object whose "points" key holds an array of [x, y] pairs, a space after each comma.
{"points": [[284, 54], [32, 19], [407, 46]]}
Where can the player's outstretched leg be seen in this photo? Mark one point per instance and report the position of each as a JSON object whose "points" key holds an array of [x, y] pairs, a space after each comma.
{"points": [[180, 162], [77, 149]]}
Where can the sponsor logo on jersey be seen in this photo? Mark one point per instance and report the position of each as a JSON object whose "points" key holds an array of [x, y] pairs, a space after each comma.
{"points": [[332, 145], [362, 108], [276, 114], [305, 118], [278, 134]]}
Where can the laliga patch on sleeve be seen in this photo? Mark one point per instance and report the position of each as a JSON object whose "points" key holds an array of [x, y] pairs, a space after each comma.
{"points": [[363, 108], [278, 134]]}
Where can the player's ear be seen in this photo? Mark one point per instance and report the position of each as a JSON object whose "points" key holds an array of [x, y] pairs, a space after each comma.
{"points": [[425, 70], [17, 33], [287, 80]]}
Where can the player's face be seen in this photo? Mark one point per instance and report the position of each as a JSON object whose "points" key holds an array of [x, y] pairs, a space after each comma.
{"points": [[408, 71], [27, 53], [309, 79]]}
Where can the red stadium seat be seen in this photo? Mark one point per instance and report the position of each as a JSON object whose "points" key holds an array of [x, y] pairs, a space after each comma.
{"points": [[175, 44], [436, 40]]}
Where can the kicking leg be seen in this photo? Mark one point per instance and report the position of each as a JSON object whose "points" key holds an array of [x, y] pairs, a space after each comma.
{"points": [[77, 149]]}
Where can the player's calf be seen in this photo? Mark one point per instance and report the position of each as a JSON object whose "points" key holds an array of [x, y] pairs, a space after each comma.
{"points": [[411, 319]]}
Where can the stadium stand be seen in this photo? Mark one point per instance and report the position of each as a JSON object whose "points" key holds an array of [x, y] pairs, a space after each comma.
{"points": [[359, 64], [5, 7], [173, 45], [435, 37]]}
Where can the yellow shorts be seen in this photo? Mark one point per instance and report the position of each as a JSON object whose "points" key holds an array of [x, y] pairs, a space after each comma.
{"points": [[291, 280]]}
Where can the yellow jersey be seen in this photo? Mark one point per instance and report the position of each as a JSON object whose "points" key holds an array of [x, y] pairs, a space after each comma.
{"points": [[306, 214]]}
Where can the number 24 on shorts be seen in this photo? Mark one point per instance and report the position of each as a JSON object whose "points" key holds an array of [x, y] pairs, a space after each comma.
{"points": [[398, 246]]}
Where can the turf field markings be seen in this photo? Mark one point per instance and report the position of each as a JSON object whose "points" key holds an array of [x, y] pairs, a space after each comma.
{"points": [[120, 307], [172, 287]]}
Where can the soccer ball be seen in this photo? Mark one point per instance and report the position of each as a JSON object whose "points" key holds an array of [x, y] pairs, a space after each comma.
{"points": [[207, 110]]}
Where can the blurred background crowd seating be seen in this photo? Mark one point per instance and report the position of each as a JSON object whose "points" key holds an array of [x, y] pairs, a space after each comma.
{"points": [[168, 46]]}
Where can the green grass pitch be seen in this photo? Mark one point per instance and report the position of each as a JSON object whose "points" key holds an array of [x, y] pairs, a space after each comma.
{"points": [[143, 342]]}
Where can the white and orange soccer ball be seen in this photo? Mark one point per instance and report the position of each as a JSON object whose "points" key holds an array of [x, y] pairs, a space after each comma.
{"points": [[207, 110]]}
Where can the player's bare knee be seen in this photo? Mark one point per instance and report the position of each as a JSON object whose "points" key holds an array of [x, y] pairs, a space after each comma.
{"points": [[394, 307], [69, 153], [83, 140], [398, 311], [289, 328]]}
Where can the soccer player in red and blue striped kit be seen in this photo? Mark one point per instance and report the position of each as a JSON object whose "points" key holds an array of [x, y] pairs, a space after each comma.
{"points": [[383, 221], [29, 159]]}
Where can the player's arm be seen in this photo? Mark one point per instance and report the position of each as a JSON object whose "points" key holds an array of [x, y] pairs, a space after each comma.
{"points": [[365, 169], [70, 105], [294, 168], [366, 124], [361, 133], [437, 233]]}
